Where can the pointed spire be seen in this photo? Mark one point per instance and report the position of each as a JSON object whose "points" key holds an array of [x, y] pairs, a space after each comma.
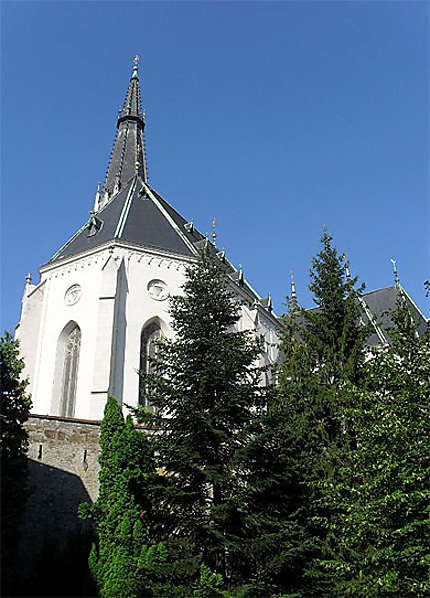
{"points": [[128, 157]]}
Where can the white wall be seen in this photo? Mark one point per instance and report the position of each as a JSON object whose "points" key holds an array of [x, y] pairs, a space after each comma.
{"points": [[114, 306]]}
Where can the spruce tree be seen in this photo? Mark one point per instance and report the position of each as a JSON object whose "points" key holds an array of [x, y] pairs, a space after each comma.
{"points": [[15, 407], [323, 349], [205, 387], [378, 535]]}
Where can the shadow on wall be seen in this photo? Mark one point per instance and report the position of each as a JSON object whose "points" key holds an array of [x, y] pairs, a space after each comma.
{"points": [[54, 543]]}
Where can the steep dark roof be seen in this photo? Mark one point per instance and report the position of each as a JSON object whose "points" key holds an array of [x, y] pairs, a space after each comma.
{"points": [[128, 209], [381, 303], [132, 216], [128, 153], [375, 308]]}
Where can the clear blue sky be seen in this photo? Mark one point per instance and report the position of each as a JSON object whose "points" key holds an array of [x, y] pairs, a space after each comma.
{"points": [[275, 117]]}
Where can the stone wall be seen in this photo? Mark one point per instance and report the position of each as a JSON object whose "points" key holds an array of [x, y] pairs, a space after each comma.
{"points": [[67, 445], [63, 472]]}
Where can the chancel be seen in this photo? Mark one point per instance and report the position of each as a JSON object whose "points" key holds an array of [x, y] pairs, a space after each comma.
{"points": [[90, 323]]}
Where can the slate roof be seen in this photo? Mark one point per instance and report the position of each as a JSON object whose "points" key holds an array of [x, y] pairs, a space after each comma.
{"points": [[128, 153], [133, 217], [128, 209], [383, 301], [376, 307]]}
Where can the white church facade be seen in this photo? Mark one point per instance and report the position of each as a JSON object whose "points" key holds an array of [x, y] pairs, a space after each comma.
{"points": [[90, 323]]}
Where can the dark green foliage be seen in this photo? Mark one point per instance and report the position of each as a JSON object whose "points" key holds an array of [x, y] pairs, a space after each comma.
{"points": [[126, 560], [205, 388], [14, 410], [292, 451], [378, 544], [122, 511]]}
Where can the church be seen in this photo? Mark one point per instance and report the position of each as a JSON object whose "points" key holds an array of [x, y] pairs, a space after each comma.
{"points": [[91, 322], [89, 325]]}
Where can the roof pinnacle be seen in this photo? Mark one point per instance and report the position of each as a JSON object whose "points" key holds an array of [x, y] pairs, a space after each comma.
{"points": [[293, 288], [396, 272]]}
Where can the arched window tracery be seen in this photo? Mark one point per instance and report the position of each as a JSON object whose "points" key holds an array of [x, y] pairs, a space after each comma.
{"points": [[72, 346], [149, 337]]}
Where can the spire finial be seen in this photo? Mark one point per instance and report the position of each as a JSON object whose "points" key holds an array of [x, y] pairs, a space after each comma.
{"points": [[293, 288], [396, 272], [28, 279], [214, 235], [135, 67]]}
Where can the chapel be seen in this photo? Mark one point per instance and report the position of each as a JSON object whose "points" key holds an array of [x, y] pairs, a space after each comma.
{"points": [[91, 322]]}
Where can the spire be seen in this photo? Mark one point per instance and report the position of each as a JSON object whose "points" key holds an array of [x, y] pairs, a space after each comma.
{"points": [[128, 155]]}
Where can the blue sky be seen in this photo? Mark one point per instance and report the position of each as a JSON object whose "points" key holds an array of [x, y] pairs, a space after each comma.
{"points": [[277, 118]]}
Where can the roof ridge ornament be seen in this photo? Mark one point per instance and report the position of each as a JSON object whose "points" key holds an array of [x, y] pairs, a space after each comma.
{"points": [[96, 201], [395, 272], [214, 235], [293, 288]]}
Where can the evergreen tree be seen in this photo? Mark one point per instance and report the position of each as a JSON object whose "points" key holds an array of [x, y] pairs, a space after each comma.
{"points": [[14, 410], [127, 560], [121, 558], [378, 544], [205, 387], [323, 348]]}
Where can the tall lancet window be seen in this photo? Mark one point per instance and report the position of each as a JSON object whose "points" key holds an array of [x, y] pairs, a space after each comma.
{"points": [[72, 345], [151, 334]]}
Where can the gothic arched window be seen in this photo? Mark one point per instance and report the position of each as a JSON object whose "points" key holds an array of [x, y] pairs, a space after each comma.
{"points": [[151, 334], [72, 345]]}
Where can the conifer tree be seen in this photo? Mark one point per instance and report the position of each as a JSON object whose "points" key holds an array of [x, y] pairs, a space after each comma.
{"points": [[378, 541], [205, 387], [126, 559], [323, 349], [15, 407], [120, 560]]}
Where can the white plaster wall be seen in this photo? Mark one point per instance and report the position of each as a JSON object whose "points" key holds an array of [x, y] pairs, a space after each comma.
{"points": [[28, 329], [113, 308], [141, 308], [55, 315]]}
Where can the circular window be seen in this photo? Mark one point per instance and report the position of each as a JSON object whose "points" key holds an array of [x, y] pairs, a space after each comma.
{"points": [[158, 290], [73, 294]]}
